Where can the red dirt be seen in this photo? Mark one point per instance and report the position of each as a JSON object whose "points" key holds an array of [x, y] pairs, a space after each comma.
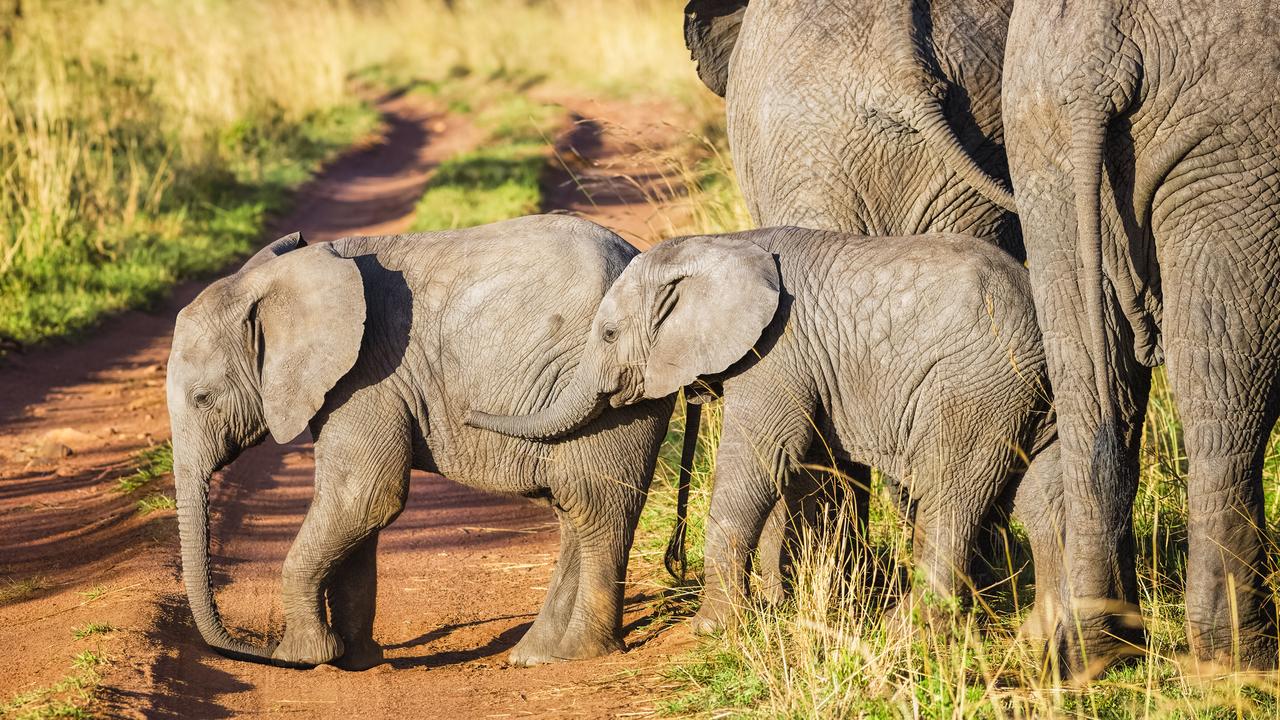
{"points": [[615, 165], [461, 573]]}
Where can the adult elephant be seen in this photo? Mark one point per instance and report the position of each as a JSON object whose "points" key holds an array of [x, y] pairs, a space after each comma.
{"points": [[867, 116], [872, 117], [1144, 143]]}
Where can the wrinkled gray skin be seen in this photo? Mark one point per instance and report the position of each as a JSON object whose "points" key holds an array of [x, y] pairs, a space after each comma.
{"points": [[919, 356], [1144, 141], [380, 346], [874, 117]]}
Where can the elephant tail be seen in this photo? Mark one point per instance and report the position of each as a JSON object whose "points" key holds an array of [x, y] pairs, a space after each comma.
{"points": [[675, 560], [1088, 140], [927, 118]]}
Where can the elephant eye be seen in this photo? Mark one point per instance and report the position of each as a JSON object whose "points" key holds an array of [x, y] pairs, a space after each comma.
{"points": [[610, 333], [202, 398]]}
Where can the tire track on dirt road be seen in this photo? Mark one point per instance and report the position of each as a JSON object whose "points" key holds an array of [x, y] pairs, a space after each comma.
{"points": [[461, 573]]}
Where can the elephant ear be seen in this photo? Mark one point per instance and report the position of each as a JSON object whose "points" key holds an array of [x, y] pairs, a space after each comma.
{"points": [[309, 320], [710, 32], [714, 298], [288, 243]]}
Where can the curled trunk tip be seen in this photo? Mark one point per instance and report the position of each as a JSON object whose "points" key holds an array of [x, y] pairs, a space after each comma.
{"points": [[575, 407]]}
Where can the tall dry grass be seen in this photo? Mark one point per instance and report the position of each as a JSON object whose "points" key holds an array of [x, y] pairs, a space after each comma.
{"points": [[105, 106], [121, 120], [837, 650]]}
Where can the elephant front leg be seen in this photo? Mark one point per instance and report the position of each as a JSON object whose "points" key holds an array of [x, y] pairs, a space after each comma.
{"points": [[353, 596], [595, 624], [541, 643], [361, 486]]}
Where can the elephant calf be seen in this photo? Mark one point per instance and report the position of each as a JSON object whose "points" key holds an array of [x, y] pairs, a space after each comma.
{"points": [[381, 345], [918, 355]]}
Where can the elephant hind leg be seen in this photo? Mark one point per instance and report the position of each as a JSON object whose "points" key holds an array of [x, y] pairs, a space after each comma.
{"points": [[353, 595], [1037, 504], [1227, 401], [539, 645], [813, 497], [958, 488]]}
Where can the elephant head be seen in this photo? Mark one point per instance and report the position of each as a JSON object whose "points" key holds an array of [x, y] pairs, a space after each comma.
{"points": [[710, 32], [256, 352], [687, 309]]}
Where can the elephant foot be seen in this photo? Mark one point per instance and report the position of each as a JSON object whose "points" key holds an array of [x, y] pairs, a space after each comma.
{"points": [[541, 652], [1086, 645], [1234, 648], [771, 591], [316, 644], [1037, 627], [572, 648], [708, 621], [360, 656], [534, 648], [938, 615]]}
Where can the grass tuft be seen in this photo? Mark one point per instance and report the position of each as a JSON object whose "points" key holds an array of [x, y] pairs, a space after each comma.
{"points": [[501, 180], [91, 629], [153, 463], [12, 591], [70, 697], [154, 502]]}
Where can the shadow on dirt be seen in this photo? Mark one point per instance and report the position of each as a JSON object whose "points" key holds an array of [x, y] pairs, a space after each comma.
{"points": [[187, 685]]}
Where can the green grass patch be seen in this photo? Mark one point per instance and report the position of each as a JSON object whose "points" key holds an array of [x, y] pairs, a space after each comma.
{"points": [[152, 463], [91, 629], [93, 593], [211, 216], [502, 179], [154, 502], [14, 590], [483, 186], [70, 697]]}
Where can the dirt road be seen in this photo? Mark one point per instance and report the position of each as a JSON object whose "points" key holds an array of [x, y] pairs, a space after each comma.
{"points": [[461, 573]]}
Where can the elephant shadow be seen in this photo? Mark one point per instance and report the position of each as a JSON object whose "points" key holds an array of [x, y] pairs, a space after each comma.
{"points": [[499, 644], [657, 616]]}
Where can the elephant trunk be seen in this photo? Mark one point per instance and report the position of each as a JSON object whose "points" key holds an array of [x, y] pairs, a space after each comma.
{"points": [[575, 407], [193, 530]]}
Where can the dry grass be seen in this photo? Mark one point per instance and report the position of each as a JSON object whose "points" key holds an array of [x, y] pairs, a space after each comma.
{"points": [[143, 140], [838, 649]]}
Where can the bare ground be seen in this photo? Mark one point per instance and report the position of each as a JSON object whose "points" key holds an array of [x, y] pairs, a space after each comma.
{"points": [[461, 573]]}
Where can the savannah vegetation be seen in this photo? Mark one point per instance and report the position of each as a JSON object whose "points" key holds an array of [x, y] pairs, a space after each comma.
{"points": [[143, 142]]}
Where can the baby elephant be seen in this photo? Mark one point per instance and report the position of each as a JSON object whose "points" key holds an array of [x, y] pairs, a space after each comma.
{"points": [[380, 346], [918, 355]]}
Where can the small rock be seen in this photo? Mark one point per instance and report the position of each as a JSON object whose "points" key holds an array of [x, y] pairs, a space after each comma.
{"points": [[52, 451], [61, 443]]}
